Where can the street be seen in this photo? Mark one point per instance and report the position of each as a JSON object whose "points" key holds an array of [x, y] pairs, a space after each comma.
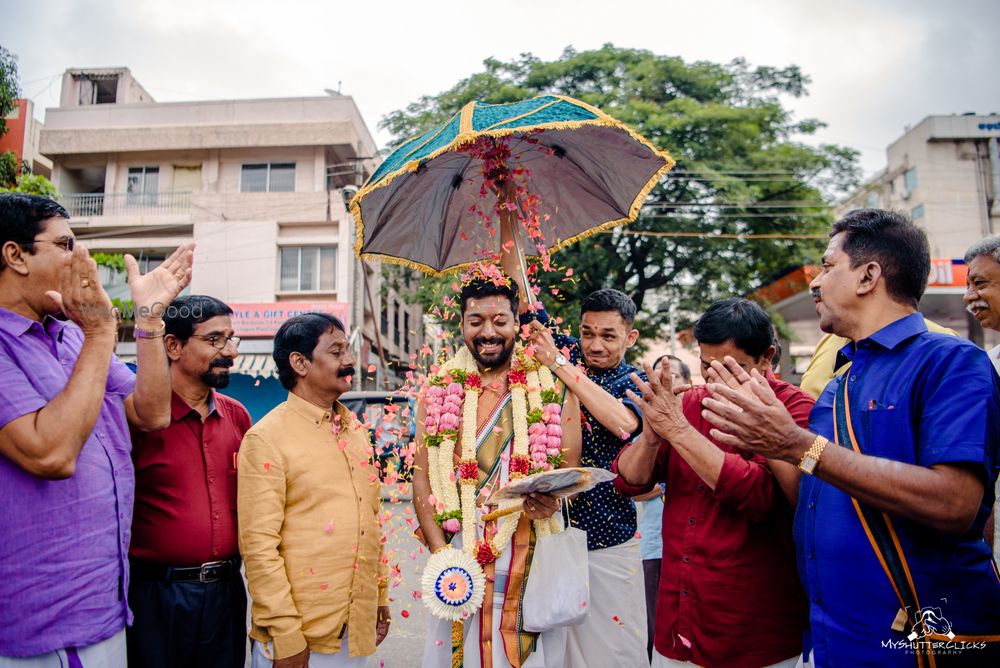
{"points": [[404, 646]]}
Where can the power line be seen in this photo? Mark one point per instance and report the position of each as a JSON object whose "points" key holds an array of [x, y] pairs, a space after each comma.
{"points": [[709, 235]]}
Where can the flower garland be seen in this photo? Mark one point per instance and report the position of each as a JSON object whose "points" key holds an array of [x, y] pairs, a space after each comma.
{"points": [[452, 401]]}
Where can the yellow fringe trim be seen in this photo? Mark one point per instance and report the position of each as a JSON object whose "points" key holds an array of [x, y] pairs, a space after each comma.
{"points": [[457, 645], [469, 136], [465, 122]]}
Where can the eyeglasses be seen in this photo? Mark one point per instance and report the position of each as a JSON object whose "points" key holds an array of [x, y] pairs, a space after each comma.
{"points": [[66, 243], [218, 340]]}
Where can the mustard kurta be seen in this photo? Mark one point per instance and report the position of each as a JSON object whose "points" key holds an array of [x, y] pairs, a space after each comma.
{"points": [[308, 501]]}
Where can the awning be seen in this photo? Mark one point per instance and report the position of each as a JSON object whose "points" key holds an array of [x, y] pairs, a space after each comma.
{"points": [[258, 365], [255, 365]]}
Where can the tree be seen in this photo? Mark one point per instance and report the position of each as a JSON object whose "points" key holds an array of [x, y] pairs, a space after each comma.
{"points": [[740, 172], [9, 169], [10, 88], [16, 176]]}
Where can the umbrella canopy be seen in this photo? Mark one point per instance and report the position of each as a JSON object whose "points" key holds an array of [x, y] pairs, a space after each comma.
{"points": [[423, 206]]}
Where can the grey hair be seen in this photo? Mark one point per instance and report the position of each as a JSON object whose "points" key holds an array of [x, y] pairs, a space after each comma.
{"points": [[988, 246]]}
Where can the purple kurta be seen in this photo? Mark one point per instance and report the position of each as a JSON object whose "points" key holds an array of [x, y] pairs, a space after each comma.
{"points": [[63, 543]]}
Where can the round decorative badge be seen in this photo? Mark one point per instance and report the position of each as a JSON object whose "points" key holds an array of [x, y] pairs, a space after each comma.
{"points": [[453, 584]]}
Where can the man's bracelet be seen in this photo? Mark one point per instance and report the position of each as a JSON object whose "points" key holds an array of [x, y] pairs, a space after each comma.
{"points": [[150, 333]]}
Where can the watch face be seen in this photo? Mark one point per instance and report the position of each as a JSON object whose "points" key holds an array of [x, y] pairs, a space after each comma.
{"points": [[560, 360], [808, 464]]}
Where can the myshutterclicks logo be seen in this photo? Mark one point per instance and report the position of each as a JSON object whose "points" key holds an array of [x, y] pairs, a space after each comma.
{"points": [[931, 633]]}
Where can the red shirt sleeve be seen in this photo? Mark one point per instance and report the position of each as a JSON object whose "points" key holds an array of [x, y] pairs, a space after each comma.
{"points": [[659, 471]]}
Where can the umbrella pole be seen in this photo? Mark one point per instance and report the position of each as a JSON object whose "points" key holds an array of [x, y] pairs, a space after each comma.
{"points": [[508, 225]]}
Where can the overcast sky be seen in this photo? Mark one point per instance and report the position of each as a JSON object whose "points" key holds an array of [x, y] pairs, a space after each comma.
{"points": [[876, 66]]}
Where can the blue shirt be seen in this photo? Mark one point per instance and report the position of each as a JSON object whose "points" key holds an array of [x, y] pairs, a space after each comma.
{"points": [[651, 526], [608, 517], [920, 398]]}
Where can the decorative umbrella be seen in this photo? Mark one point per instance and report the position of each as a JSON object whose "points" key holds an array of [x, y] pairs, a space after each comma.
{"points": [[561, 167]]}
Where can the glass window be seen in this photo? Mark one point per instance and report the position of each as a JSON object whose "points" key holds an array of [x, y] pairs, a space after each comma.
{"points": [[143, 185], [308, 268], [327, 268], [872, 202], [910, 179], [253, 179], [289, 269], [917, 212], [268, 178], [282, 178]]}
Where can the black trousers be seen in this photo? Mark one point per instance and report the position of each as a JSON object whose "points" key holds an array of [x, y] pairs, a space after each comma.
{"points": [[187, 624], [651, 574]]}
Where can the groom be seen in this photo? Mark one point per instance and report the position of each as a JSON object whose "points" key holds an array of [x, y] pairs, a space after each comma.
{"points": [[493, 636]]}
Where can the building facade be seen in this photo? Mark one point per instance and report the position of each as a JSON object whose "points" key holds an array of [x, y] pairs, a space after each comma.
{"points": [[259, 185], [945, 173], [22, 138]]}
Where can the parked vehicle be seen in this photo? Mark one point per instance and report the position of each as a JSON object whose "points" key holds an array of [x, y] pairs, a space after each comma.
{"points": [[391, 421]]}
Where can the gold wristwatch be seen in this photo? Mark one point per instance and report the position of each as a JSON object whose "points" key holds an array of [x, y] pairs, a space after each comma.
{"points": [[811, 457]]}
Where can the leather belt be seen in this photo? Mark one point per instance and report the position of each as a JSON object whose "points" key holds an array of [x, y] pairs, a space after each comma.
{"points": [[212, 571]]}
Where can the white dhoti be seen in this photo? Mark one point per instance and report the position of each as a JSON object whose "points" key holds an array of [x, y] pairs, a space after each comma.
{"points": [[437, 650], [614, 630], [262, 656]]}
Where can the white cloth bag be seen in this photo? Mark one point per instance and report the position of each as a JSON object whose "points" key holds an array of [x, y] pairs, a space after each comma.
{"points": [[558, 590]]}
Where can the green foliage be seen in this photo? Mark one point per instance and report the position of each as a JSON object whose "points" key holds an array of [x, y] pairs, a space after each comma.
{"points": [[116, 263], [10, 88], [448, 515], [8, 170], [113, 261], [33, 184], [740, 170]]}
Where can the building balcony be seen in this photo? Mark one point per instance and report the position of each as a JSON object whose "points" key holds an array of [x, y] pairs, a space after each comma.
{"points": [[164, 208]]}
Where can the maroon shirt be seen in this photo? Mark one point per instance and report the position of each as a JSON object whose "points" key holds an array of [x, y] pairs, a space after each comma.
{"points": [[185, 485], [728, 582]]}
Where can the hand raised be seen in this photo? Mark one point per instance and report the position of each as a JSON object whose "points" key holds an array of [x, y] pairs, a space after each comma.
{"points": [[152, 292], [540, 338], [749, 416], [82, 298], [661, 407]]}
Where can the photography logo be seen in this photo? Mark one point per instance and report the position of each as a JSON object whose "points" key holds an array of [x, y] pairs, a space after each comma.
{"points": [[932, 634], [930, 621]]}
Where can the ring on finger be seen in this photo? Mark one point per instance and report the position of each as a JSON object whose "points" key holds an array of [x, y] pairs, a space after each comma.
{"points": [[85, 283]]}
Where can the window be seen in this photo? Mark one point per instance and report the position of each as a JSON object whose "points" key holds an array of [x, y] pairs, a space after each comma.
{"points": [[917, 212], [308, 268], [143, 186], [406, 331], [106, 91], [98, 89], [272, 177], [395, 326], [872, 202], [910, 179]]}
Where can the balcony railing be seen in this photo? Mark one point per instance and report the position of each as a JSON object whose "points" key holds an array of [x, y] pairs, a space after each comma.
{"points": [[126, 204]]}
